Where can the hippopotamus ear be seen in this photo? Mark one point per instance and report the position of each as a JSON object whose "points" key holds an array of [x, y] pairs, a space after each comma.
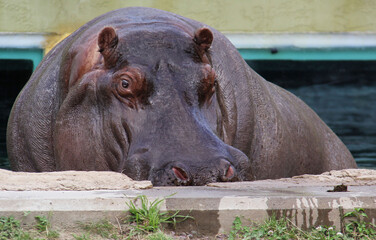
{"points": [[107, 43], [204, 38]]}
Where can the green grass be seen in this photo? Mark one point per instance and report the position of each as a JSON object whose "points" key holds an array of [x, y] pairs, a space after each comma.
{"points": [[149, 218], [44, 225], [83, 236], [144, 222], [10, 229], [355, 227], [158, 236], [103, 228]]}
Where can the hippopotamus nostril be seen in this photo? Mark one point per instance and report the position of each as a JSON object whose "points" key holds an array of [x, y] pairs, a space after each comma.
{"points": [[180, 173], [227, 171], [230, 172]]}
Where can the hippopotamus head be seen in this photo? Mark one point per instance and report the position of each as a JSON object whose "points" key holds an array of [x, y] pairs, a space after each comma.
{"points": [[143, 101]]}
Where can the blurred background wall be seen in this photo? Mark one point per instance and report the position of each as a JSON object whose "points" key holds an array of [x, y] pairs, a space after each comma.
{"points": [[324, 51], [251, 16], [56, 18]]}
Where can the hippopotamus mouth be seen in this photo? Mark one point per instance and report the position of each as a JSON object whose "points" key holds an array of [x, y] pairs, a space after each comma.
{"points": [[172, 160], [178, 175]]}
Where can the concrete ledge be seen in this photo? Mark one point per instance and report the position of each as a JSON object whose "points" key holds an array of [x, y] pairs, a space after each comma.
{"points": [[213, 207]]}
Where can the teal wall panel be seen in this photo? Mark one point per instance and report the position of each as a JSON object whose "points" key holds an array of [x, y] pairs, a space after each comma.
{"points": [[36, 54], [33, 54], [309, 54]]}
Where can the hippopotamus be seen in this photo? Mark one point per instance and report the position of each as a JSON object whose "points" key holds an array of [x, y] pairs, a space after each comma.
{"points": [[164, 98]]}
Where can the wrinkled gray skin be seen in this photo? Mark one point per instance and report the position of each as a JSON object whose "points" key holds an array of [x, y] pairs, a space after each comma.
{"points": [[162, 124]]}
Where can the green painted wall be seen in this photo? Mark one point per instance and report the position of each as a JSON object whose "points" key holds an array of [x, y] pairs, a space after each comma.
{"points": [[33, 54], [64, 16], [58, 18], [363, 54]]}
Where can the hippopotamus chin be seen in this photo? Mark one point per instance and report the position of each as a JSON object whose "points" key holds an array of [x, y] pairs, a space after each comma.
{"points": [[161, 97]]}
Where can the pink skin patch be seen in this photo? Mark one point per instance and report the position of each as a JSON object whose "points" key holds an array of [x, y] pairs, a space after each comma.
{"points": [[230, 172], [180, 173]]}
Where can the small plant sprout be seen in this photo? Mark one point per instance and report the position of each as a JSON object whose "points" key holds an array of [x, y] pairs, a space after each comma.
{"points": [[103, 228], [148, 217], [44, 225], [357, 227], [81, 237], [9, 228], [283, 228]]}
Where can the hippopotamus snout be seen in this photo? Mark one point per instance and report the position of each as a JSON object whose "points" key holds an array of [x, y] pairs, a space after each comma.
{"points": [[222, 171], [181, 174]]}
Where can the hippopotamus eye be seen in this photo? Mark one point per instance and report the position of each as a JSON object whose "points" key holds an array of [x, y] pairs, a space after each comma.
{"points": [[130, 87], [124, 83]]}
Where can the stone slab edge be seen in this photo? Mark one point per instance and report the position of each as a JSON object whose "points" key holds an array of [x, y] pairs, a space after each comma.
{"points": [[213, 209]]}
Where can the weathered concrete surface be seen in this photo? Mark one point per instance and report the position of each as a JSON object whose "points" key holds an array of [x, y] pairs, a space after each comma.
{"points": [[68, 181], [305, 199], [351, 177]]}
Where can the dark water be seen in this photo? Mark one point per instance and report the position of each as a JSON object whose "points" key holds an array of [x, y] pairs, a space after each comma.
{"points": [[342, 93], [13, 76]]}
